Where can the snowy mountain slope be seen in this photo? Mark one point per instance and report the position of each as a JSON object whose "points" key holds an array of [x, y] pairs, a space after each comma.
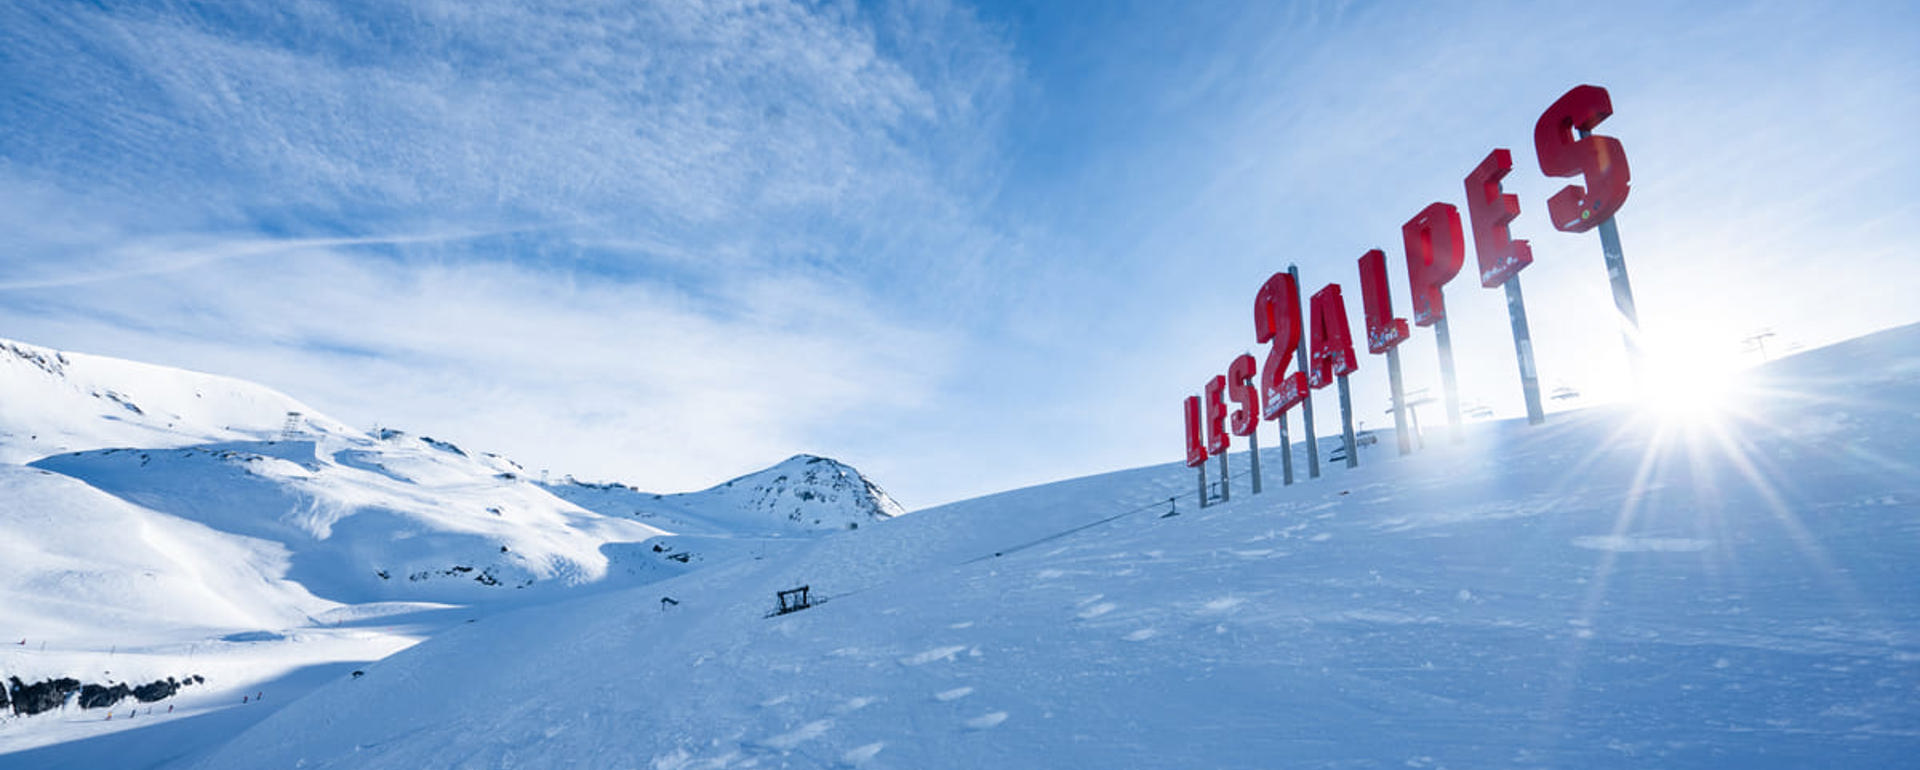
{"points": [[84, 567], [1609, 590], [186, 535], [802, 493], [366, 520], [53, 401]]}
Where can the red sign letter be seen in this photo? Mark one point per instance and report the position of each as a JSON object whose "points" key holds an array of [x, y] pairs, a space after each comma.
{"points": [[1600, 158], [1332, 351], [1435, 249], [1501, 257], [1384, 332], [1245, 418], [1216, 415], [1196, 448], [1274, 309]]}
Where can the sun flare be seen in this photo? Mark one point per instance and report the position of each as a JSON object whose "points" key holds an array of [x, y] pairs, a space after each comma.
{"points": [[1690, 389]]}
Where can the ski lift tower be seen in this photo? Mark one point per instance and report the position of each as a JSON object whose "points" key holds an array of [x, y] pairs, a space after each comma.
{"points": [[291, 429], [1416, 399], [1758, 341]]}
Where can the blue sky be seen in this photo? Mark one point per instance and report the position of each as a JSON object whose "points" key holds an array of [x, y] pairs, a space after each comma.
{"points": [[963, 247]]}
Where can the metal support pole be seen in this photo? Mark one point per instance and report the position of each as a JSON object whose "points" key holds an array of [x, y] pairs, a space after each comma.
{"points": [[1622, 289], [1444, 341], [1253, 453], [1399, 401], [1622, 293], [1203, 484], [1226, 479], [1523, 350], [1346, 424], [1286, 452], [1306, 404]]}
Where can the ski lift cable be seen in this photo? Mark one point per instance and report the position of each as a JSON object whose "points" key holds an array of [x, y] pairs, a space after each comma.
{"points": [[1063, 533]]}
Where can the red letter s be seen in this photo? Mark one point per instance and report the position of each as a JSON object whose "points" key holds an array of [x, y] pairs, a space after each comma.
{"points": [[1600, 158], [1245, 418]]}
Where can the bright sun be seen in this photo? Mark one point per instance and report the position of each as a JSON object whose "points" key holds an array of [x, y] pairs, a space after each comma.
{"points": [[1690, 389]]}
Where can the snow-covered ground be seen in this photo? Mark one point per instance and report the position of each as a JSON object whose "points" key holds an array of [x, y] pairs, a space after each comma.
{"points": [[160, 524], [1612, 589]]}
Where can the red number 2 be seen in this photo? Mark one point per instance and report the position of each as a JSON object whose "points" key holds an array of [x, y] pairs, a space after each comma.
{"points": [[1274, 311]]}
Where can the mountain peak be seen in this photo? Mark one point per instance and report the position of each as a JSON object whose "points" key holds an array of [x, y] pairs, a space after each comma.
{"points": [[811, 492]]}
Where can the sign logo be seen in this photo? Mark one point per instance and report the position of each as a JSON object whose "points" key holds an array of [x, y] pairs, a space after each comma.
{"points": [[1435, 243]]}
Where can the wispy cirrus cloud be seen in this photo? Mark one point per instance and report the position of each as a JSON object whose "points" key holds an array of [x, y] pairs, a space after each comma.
{"points": [[658, 242]]}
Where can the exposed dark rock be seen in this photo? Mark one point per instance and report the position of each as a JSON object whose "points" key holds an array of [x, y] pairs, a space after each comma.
{"points": [[35, 698], [444, 446], [55, 365], [95, 696], [156, 690]]}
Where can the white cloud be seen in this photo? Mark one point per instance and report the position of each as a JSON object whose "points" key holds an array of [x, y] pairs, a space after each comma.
{"points": [[635, 381], [659, 242]]}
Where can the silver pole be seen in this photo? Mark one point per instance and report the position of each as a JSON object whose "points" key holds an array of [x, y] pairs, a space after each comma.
{"points": [[1203, 484], [1253, 440], [1286, 453], [1523, 350], [1445, 343], [1306, 404], [1622, 288], [1346, 424], [1399, 401], [1226, 479]]}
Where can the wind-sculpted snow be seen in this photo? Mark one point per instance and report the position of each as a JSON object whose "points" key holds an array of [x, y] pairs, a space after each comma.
{"points": [[1604, 591]]}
